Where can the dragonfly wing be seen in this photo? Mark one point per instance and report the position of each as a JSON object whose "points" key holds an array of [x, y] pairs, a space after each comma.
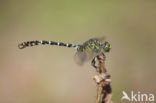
{"points": [[101, 39], [91, 55], [80, 57]]}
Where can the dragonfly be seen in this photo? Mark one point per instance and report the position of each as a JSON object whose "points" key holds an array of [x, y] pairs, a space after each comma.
{"points": [[89, 50]]}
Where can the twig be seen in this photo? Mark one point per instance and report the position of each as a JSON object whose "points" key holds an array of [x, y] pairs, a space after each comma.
{"points": [[104, 92]]}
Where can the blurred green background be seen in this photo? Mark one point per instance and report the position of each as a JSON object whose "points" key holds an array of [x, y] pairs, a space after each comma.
{"points": [[48, 74]]}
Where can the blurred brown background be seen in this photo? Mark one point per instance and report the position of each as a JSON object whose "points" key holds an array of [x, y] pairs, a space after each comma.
{"points": [[48, 74]]}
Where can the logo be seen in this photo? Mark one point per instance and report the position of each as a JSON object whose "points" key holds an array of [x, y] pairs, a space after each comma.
{"points": [[137, 96]]}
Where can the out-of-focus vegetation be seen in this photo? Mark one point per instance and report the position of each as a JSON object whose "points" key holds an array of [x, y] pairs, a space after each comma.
{"points": [[49, 74]]}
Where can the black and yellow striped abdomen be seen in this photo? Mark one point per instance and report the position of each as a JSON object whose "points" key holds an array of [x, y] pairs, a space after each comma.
{"points": [[44, 42]]}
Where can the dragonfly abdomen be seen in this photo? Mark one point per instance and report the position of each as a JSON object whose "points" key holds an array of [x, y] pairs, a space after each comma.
{"points": [[44, 42]]}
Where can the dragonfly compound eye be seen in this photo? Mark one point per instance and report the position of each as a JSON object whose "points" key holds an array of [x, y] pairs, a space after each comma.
{"points": [[107, 47]]}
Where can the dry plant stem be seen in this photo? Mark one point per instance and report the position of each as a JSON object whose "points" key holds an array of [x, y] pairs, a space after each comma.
{"points": [[104, 93]]}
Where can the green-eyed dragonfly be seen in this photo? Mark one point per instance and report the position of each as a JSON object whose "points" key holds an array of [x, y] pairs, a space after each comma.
{"points": [[84, 52]]}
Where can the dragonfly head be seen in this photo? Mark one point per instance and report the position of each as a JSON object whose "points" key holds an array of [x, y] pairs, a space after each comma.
{"points": [[106, 46]]}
